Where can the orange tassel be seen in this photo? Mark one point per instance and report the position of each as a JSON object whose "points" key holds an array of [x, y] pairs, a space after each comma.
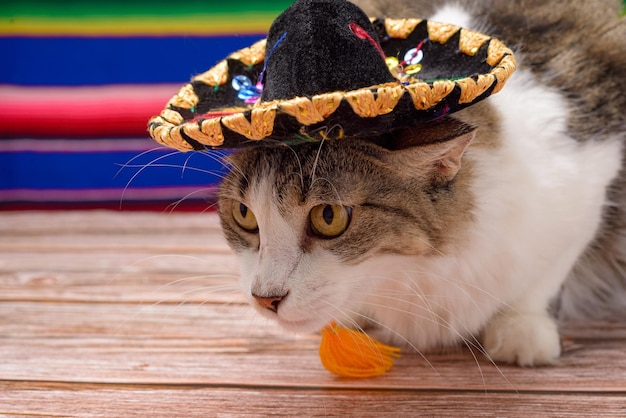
{"points": [[352, 353]]}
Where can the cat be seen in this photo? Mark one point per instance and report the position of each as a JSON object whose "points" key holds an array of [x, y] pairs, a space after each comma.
{"points": [[489, 237]]}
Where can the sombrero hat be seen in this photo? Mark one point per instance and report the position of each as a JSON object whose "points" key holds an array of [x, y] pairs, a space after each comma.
{"points": [[327, 71]]}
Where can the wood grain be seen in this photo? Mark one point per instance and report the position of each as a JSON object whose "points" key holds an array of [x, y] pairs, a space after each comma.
{"points": [[118, 314], [136, 400]]}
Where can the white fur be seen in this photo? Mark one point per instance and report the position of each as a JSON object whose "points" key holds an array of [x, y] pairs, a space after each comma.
{"points": [[549, 201], [539, 199], [453, 14]]}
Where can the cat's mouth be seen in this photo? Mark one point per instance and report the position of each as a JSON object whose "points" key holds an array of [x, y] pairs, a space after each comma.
{"points": [[291, 317]]}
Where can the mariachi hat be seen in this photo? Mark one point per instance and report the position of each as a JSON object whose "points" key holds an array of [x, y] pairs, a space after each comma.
{"points": [[327, 71]]}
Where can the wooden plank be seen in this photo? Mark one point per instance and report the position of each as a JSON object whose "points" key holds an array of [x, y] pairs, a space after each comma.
{"points": [[110, 232], [229, 345], [96, 287], [109, 242], [118, 262], [191, 237], [130, 314], [162, 242], [68, 256], [111, 222], [129, 401]]}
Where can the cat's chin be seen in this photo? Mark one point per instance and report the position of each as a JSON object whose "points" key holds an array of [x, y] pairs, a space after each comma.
{"points": [[303, 326], [306, 325]]}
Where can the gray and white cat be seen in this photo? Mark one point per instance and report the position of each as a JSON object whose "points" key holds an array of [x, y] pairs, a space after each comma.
{"points": [[474, 237]]}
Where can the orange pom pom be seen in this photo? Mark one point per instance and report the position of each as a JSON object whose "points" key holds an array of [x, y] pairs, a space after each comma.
{"points": [[354, 354]]}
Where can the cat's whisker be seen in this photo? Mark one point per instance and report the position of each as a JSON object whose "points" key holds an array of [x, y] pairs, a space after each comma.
{"points": [[172, 206], [182, 167], [154, 163], [141, 168], [173, 255], [220, 157], [315, 162], [412, 287], [198, 277], [210, 207], [431, 315], [458, 284], [186, 163], [225, 289], [338, 197], [435, 250], [301, 171], [346, 313], [213, 289], [128, 164], [227, 163], [400, 298], [471, 344]]}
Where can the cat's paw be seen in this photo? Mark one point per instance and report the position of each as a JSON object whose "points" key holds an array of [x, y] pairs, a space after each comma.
{"points": [[524, 339]]}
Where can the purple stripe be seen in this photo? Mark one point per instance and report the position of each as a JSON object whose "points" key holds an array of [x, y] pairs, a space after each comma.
{"points": [[78, 145], [99, 195]]}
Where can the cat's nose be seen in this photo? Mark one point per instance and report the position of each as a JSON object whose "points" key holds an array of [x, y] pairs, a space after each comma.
{"points": [[269, 302]]}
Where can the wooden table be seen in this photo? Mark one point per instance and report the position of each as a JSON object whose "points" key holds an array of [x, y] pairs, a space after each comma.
{"points": [[138, 314]]}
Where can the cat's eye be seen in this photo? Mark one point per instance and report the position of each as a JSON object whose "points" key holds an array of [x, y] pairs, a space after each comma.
{"points": [[244, 217], [330, 221]]}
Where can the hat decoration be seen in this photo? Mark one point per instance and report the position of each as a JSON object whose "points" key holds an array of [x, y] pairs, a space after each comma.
{"points": [[327, 71]]}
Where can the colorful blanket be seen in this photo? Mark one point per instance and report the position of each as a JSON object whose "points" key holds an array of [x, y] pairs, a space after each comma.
{"points": [[81, 79]]}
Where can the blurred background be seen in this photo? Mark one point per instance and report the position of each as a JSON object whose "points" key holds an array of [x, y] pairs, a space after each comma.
{"points": [[80, 80]]}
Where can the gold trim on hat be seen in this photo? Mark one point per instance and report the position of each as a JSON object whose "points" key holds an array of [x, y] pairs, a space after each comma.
{"points": [[256, 122], [401, 28]]}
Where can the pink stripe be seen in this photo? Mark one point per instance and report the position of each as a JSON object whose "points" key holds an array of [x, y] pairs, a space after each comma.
{"points": [[95, 195], [137, 92], [94, 111], [78, 146]]}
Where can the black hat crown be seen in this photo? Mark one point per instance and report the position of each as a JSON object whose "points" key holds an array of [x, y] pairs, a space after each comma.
{"points": [[320, 46]]}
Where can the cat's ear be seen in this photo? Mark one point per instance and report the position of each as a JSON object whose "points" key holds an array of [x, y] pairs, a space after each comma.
{"points": [[433, 149]]}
